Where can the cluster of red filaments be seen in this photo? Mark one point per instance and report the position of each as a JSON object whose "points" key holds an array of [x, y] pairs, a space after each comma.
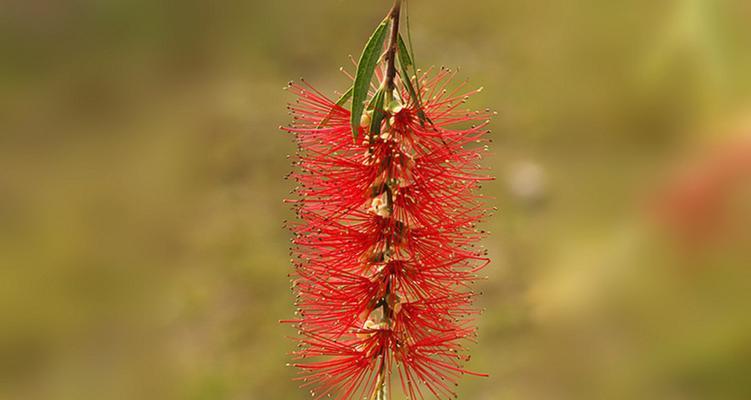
{"points": [[386, 244]]}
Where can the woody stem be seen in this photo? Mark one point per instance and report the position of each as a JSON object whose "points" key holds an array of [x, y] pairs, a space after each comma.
{"points": [[393, 45], [389, 86]]}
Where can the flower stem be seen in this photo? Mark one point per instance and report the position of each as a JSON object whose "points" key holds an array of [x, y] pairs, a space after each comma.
{"points": [[380, 389], [388, 84]]}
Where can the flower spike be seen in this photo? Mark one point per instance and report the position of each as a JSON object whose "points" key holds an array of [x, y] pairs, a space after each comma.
{"points": [[385, 240]]}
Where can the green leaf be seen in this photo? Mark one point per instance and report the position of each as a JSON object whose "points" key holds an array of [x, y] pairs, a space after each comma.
{"points": [[406, 61], [339, 103], [378, 113], [363, 76], [404, 57], [344, 97], [411, 55], [408, 82]]}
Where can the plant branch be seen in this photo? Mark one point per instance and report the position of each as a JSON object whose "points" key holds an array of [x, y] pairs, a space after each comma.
{"points": [[393, 46], [388, 84]]}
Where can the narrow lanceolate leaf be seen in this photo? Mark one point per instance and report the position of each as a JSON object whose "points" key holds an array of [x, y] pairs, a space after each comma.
{"points": [[404, 57], [406, 62], [408, 83], [378, 113], [339, 103], [365, 70]]}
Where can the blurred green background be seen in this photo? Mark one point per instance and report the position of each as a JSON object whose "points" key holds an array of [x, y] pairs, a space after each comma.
{"points": [[141, 249]]}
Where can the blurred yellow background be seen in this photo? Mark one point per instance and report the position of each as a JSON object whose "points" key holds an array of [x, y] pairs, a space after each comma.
{"points": [[141, 249]]}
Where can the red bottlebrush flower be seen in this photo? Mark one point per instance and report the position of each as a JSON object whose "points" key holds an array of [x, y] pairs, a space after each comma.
{"points": [[386, 239]]}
